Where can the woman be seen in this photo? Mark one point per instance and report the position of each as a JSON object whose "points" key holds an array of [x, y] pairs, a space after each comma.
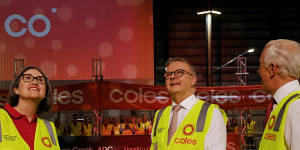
{"points": [[234, 126], [20, 123]]}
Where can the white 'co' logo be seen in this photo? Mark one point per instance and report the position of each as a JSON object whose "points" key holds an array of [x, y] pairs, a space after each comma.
{"points": [[30, 25]]}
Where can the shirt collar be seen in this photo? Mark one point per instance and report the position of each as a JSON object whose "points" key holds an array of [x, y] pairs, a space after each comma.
{"points": [[286, 89], [15, 114], [187, 103]]}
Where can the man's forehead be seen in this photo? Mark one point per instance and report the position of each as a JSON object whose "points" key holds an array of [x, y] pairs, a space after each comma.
{"points": [[263, 53], [177, 65]]}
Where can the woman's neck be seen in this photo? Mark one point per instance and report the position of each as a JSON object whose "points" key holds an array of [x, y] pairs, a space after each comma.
{"points": [[27, 108]]}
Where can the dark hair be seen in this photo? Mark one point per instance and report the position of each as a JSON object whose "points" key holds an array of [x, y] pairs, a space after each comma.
{"points": [[234, 123], [45, 104], [180, 59]]}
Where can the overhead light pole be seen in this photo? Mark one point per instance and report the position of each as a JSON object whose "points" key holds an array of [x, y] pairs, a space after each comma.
{"points": [[208, 14]]}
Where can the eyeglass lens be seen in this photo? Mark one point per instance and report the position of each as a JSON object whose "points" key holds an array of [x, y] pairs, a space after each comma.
{"points": [[178, 73], [30, 78]]}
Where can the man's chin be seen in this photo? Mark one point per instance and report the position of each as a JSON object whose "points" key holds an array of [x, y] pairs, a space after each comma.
{"points": [[173, 90]]}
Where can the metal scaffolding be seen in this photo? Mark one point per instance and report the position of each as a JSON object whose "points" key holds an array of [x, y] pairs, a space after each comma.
{"points": [[242, 71]]}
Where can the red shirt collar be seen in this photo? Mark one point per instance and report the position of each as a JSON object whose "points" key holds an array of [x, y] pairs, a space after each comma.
{"points": [[15, 114]]}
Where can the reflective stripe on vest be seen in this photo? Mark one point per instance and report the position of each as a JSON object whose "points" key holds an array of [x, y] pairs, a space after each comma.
{"points": [[157, 120], [200, 121], [49, 128], [50, 131], [202, 117], [0, 133], [279, 117], [274, 132]]}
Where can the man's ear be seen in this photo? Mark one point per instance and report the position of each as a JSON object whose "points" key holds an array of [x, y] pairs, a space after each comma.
{"points": [[272, 69], [194, 78], [16, 91]]}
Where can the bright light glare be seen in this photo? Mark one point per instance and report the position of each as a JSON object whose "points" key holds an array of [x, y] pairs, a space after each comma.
{"points": [[209, 12], [216, 12], [251, 50], [202, 12]]}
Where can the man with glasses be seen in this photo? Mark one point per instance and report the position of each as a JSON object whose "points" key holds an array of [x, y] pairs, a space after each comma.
{"points": [[189, 123]]}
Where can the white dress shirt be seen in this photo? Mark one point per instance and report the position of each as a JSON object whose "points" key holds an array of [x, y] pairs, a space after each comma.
{"points": [[292, 127], [216, 135]]}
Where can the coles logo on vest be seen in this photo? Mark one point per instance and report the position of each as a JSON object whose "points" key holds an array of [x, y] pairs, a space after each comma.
{"points": [[271, 123], [187, 130], [46, 141]]}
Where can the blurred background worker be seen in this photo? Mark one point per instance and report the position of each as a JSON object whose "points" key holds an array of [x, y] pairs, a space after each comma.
{"points": [[126, 127], [139, 129], [115, 127], [106, 127], [146, 124], [87, 127], [60, 129], [75, 126], [250, 129]]}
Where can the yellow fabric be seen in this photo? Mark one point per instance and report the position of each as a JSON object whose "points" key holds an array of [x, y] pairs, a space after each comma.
{"points": [[251, 128], [236, 129], [106, 131], [75, 130], [12, 140], [60, 130], [127, 132], [272, 139], [145, 125], [185, 136], [122, 125], [87, 129], [116, 129], [140, 130]]}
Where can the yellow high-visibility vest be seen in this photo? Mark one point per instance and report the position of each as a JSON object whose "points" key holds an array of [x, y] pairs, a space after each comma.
{"points": [[273, 137], [106, 131], [75, 130], [116, 129], [87, 129], [10, 138], [140, 129], [251, 128], [191, 132], [60, 130]]}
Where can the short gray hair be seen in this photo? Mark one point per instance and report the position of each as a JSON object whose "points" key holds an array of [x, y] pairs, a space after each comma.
{"points": [[180, 59], [286, 54]]}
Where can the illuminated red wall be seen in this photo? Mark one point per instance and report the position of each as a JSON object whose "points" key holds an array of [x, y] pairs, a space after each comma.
{"points": [[120, 32]]}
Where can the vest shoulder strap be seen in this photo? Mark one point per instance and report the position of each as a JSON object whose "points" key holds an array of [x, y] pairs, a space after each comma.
{"points": [[50, 131], [157, 120], [1, 111], [202, 117], [0, 132], [281, 112]]}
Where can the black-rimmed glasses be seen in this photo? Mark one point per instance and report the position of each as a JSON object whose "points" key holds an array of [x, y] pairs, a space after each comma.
{"points": [[178, 73], [29, 78]]}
